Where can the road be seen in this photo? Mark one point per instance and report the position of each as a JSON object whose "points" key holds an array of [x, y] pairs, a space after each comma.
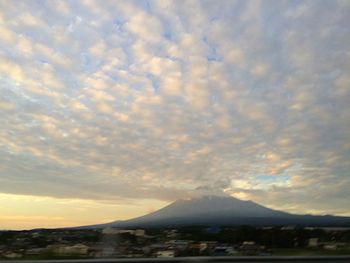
{"points": [[274, 259]]}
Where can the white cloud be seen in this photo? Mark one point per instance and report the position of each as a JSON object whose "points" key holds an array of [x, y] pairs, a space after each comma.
{"points": [[145, 27], [152, 100]]}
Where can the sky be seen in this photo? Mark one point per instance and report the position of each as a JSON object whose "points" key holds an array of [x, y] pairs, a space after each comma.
{"points": [[113, 109]]}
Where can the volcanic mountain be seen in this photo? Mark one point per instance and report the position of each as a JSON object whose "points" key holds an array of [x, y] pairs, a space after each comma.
{"points": [[222, 210]]}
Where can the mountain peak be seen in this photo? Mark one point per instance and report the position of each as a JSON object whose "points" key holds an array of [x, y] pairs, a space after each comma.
{"points": [[205, 197], [211, 209], [212, 198], [208, 206]]}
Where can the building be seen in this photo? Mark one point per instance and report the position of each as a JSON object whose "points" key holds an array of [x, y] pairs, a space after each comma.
{"points": [[166, 254], [139, 232], [313, 242]]}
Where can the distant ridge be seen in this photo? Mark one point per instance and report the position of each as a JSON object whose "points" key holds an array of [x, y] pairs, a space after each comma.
{"points": [[222, 210]]}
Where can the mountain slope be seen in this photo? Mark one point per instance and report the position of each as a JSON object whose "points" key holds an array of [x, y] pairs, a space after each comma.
{"points": [[223, 210], [210, 205]]}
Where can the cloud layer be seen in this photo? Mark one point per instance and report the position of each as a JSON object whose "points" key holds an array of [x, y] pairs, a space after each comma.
{"points": [[153, 99]]}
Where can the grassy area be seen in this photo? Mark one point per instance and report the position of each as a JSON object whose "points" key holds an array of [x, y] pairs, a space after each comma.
{"points": [[308, 252]]}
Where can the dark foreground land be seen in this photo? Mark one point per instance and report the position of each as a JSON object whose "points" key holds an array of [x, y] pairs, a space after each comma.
{"points": [[188, 244], [253, 259]]}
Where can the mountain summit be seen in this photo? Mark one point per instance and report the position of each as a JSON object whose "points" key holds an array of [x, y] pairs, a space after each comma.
{"points": [[210, 204], [223, 210]]}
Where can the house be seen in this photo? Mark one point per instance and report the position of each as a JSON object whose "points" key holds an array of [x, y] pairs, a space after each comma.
{"points": [[166, 253], [139, 232], [313, 242]]}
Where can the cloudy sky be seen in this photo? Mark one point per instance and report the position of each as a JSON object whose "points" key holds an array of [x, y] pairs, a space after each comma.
{"points": [[112, 109]]}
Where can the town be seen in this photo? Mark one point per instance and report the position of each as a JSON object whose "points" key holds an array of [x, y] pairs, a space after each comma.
{"points": [[180, 242]]}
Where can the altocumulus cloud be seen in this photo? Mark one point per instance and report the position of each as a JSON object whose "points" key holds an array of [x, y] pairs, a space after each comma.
{"points": [[151, 99]]}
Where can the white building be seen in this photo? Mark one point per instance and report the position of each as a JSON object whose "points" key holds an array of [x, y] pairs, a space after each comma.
{"points": [[313, 242], [166, 254]]}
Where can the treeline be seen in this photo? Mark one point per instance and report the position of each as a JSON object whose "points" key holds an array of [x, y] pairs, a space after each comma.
{"points": [[275, 237]]}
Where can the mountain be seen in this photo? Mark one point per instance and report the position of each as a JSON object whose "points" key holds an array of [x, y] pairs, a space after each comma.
{"points": [[223, 210]]}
